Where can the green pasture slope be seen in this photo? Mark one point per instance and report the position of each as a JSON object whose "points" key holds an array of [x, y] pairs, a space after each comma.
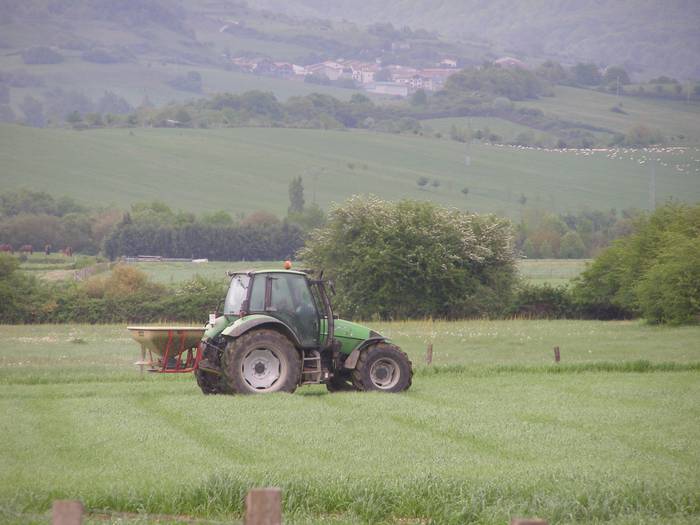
{"points": [[672, 118], [493, 430], [536, 271], [244, 169]]}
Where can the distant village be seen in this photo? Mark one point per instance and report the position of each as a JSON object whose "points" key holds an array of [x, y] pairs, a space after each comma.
{"points": [[396, 80]]}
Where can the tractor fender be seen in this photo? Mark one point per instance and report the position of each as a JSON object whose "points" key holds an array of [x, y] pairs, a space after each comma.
{"points": [[245, 324], [351, 361]]}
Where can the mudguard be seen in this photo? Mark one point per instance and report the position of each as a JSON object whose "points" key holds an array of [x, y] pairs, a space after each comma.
{"points": [[244, 324], [351, 361]]}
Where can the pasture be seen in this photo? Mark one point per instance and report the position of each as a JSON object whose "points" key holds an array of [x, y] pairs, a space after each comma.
{"points": [[246, 169], [493, 429], [536, 271], [673, 118]]}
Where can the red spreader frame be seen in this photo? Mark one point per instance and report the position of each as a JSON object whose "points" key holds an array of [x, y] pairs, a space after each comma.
{"points": [[171, 350]]}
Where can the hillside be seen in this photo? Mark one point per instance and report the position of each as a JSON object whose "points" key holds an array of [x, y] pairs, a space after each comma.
{"points": [[244, 169], [138, 49], [650, 37]]}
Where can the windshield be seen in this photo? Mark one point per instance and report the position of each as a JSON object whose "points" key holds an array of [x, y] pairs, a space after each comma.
{"points": [[237, 293]]}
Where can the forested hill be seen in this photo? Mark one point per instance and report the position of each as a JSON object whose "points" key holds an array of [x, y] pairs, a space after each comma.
{"points": [[660, 37]]}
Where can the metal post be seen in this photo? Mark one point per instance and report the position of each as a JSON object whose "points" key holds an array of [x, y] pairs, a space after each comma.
{"points": [[263, 506]]}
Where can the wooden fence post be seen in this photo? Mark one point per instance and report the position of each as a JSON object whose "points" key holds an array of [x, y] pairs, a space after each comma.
{"points": [[263, 507], [67, 512], [429, 355], [527, 521], [557, 357]]}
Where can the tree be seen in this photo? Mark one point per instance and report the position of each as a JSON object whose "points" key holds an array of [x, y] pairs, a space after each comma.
{"points": [[546, 250], [649, 272], [383, 75], [33, 112], [74, 118], [571, 246], [615, 74], [414, 259], [419, 98], [642, 135], [587, 74], [669, 292], [296, 196]]}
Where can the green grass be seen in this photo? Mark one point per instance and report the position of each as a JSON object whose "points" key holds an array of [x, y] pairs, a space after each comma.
{"points": [[536, 271], [241, 170], [592, 107], [504, 128], [554, 272], [134, 81], [499, 437], [174, 272]]}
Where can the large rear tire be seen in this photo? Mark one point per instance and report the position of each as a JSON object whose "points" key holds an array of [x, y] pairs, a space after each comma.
{"points": [[261, 361], [383, 367]]}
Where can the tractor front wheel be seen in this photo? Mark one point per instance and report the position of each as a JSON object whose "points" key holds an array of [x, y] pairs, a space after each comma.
{"points": [[383, 367], [261, 361]]}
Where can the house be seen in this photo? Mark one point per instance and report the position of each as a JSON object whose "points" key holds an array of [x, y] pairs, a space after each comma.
{"points": [[510, 63], [448, 62], [330, 69], [437, 76]]}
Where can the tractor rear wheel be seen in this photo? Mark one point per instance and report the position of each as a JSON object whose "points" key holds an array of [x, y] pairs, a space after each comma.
{"points": [[383, 367], [261, 361]]}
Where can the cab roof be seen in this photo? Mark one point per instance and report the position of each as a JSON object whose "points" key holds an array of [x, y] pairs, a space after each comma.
{"points": [[275, 270]]}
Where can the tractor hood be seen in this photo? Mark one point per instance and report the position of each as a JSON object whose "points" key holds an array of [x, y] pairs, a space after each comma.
{"points": [[350, 334]]}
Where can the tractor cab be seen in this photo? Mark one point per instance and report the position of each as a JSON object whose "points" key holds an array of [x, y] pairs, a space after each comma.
{"points": [[287, 296]]}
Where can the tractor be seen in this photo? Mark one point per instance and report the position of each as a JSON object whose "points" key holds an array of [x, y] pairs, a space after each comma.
{"points": [[277, 331]]}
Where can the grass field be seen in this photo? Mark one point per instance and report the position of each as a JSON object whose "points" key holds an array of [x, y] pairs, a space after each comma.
{"points": [[672, 118], [504, 128], [536, 271], [497, 434], [241, 170]]}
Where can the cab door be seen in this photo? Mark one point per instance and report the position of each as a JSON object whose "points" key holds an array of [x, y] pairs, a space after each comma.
{"points": [[286, 296]]}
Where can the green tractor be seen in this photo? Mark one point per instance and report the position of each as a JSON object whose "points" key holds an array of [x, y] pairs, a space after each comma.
{"points": [[278, 332]]}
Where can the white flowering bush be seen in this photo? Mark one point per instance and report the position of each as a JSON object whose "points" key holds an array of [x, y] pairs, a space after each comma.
{"points": [[414, 259]]}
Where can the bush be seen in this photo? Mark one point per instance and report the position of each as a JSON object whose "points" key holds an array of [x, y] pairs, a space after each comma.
{"points": [[543, 301], [669, 292], [648, 273], [414, 259]]}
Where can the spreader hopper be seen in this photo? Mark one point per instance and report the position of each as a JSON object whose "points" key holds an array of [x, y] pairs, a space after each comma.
{"points": [[168, 349]]}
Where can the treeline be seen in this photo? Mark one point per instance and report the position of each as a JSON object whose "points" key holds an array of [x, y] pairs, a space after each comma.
{"points": [[544, 235], [123, 295], [38, 220], [220, 243], [653, 273]]}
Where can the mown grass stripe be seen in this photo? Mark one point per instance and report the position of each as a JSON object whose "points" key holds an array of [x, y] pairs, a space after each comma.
{"points": [[638, 366]]}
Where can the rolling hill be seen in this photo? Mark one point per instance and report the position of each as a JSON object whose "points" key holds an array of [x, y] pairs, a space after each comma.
{"points": [[244, 169], [649, 37]]}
